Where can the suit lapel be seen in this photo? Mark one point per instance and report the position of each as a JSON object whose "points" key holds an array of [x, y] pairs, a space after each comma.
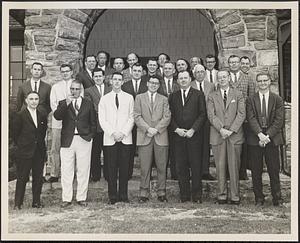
{"points": [[219, 98], [156, 101], [30, 117], [229, 97], [271, 103], [89, 77], [189, 95], [96, 92], [147, 101]]}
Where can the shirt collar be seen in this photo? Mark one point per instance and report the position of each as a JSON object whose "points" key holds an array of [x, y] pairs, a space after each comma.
{"points": [[266, 94], [188, 90]]}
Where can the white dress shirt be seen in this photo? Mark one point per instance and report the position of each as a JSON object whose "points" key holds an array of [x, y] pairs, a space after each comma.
{"points": [[222, 92], [33, 115], [32, 82], [233, 76], [138, 84], [149, 94], [100, 89], [166, 83], [90, 73], [186, 94], [266, 99]]}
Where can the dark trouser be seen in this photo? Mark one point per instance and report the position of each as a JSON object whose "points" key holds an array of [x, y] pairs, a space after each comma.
{"points": [[117, 159], [271, 154], [204, 147], [171, 158], [36, 163], [132, 153], [95, 172], [187, 155], [244, 155]]}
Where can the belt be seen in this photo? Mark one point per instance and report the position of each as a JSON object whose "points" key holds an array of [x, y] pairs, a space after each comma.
{"points": [[76, 134]]}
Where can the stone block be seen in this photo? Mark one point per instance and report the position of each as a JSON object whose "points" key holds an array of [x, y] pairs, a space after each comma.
{"points": [[34, 55], [51, 11], [254, 19], [44, 40], [272, 28], [218, 14], [266, 45], [233, 42], [224, 54], [77, 15], [69, 34], [44, 48], [256, 25], [257, 11], [44, 32], [28, 40], [67, 23], [67, 45], [267, 58], [51, 56], [44, 22], [228, 20], [29, 12], [87, 11], [256, 34], [233, 30]]}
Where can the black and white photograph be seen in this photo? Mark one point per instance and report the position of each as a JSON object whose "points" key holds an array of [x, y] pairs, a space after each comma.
{"points": [[153, 121]]}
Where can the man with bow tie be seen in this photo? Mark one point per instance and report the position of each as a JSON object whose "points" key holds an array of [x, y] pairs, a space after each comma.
{"points": [[78, 129]]}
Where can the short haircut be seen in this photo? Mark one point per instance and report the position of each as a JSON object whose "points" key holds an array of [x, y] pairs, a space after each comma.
{"points": [[169, 62], [245, 57], [166, 55], [37, 63], [133, 54], [106, 54], [85, 59], [66, 65], [116, 73], [76, 81], [118, 58], [96, 69], [233, 56], [210, 56], [187, 72], [137, 64], [152, 59], [32, 92], [156, 77], [199, 59], [223, 70], [264, 74]]}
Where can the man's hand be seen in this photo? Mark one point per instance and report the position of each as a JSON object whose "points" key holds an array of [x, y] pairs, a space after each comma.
{"points": [[118, 136], [152, 131], [190, 133], [69, 99], [181, 132], [264, 139], [225, 133]]}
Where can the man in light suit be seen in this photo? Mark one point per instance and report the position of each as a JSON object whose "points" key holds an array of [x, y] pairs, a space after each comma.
{"points": [[94, 94], [86, 76], [265, 114], [152, 117], [201, 83], [226, 113], [78, 129], [116, 119], [211, 72], [188, 116]]}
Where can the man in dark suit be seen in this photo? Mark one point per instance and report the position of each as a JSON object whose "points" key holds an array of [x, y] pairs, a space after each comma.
{"points": [[188, 114], [94, 94], [35, 84], [265, 114], [78, 129], [85, 76], [161, 59], [103, 63], [29, 131], [152, 67], [135, 86]]}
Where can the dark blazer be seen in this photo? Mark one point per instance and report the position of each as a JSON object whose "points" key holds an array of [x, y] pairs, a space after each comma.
{"points": [[275, 118], [44, 93], [85, 79], [192, 114], [128, 87], [92, 94], [163, 89], [85, 121], [26, 135]]}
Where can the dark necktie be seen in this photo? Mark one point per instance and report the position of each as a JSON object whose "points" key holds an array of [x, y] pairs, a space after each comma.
{"points": [[264, 112], [136, 87], [100, 91], [169, 87], [235, 78], [35, 86], [151, 102], [117, 101], [184, 96], [225, 98], [211, 76], [200, 87], [76, 107]]}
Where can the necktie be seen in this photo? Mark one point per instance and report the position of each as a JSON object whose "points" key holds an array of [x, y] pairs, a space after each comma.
{"points": [[184, 96], [136, 86], [169, 87], [35, 86], [225, 98], [200, 87], [235, 78], [76, 107], [117, 101], [100, 90], [151, 102], [211, 76], [264, 112]]}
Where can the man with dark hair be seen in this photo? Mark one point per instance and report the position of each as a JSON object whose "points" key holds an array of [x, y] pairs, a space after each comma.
{"points": [[28, 132], [103, 63], [265, 114], [152, 67], [211, 72], [246, 67], [132, 58], [194, 61], [182, 65], [85, 76], [161, 59]]}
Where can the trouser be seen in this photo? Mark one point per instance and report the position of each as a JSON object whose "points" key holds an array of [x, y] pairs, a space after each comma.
{"points": [[132, 153], [55, 152], [24, 165], [117, 158], [204, 147], [171, 158], [161, 157], [79, 151], [97, 145], [244, 154]]}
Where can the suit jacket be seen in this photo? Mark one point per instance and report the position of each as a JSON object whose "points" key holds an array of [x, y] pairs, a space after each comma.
{"points": [[85, 79], [214, 74], [191, 115], [128, 87], [26, 135], [208, 87], [113, 120], [275, 119], [245, 84], [92, 94], [231, 117], [108, 74], [159, 118], [44, 93], [163, 88], [85, 121]]}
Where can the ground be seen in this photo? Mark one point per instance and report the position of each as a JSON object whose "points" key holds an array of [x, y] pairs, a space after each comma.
{"points": [[152, 217]]}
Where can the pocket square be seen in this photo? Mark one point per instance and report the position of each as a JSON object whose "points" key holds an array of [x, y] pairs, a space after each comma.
{"points": [[232, 101]]}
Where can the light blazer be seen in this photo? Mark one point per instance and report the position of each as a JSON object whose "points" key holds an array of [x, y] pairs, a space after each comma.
{"points": [[231, 117], [208, 87], [275, 118], [214, 74], [245, 84], [92, 94], [113, 120], [160, 118], [85, 79]]}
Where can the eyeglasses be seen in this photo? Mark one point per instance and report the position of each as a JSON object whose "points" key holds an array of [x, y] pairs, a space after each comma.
{"points": [[211, 62], [155, 83], [234, 62], [65, 71], [264, 80], [74, 88]]}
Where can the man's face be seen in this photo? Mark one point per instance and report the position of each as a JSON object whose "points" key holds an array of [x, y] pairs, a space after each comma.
{"points": [[181, 65], [152, 66], [66, 73], [199, 73], [117, 82], [194, 61], [153, 85], [210, 63], [234, 64], [36, 71], [161, 60], [75, 89], [98, 77], [102, 59], [169, 70], [32, 100], [132, 59], [184, 80], [90, 63], [223, 79], [137, 72], [263, 82], [118, 64], [245, 65]]}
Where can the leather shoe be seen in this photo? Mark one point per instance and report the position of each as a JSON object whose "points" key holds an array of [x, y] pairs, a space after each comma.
{"points": [[198, 201], [143, 199], [208, 177], [235, 202], [183, 200], [82, 203], [222, 201], [17, 207], [125, 200], [112, 201], [37, 205], [162, 199], [65, 204], [277, 203], [53, 179]]}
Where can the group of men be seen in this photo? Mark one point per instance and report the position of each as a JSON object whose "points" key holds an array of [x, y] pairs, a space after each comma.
{"points": [[170, 114]]}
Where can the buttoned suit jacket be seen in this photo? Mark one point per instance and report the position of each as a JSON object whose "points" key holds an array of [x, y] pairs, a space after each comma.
{"points": [[230, 117], [208, 87], [85, 121], [128, 87], [275, 118], [44, 96], [163, 88], [158, 118], [85, 79], [27, 136], [245, 84]]}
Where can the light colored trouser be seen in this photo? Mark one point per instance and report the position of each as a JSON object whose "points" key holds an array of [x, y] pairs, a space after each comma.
{"points": [[55, 155], [227, 154], [161, 159], [79, 151]]}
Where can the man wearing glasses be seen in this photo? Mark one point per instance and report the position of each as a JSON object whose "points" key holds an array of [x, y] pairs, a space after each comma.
{"points": [[211, 72], [152, 117]]}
